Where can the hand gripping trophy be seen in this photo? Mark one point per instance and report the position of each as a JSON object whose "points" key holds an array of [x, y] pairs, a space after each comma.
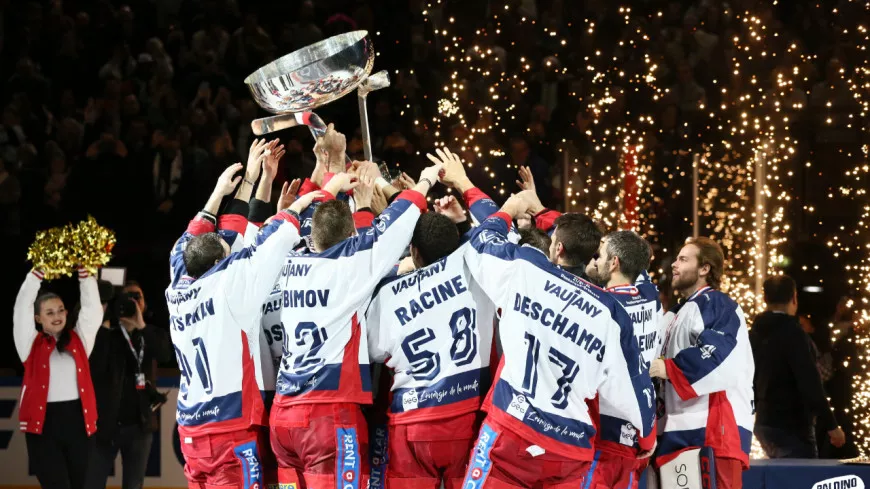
{"points": [[294, 85]]}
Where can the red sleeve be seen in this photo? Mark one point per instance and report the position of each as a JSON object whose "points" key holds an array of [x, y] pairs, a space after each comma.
{"points": [[415, 198], [472, 195], [233, 222], [363, 219], [326, 196], [327, 177], [286, 217], [678, 380], [544, 220], [307, 187], [199, 226], [505, 217]]}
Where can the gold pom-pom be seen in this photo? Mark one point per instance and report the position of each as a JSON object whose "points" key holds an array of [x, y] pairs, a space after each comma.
{"points": [[50, 253], [91, 245], [60, 251]]}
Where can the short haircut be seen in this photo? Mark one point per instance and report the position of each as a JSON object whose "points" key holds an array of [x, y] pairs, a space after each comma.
{"points": [[202, 252], [632, 251], [535, 238], [779, 290], [710, 253], [332, 223], [580, 237], [435, 236]]}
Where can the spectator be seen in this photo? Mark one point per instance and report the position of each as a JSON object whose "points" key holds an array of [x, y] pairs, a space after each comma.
{"points": [[789, 395], [124, 366]]}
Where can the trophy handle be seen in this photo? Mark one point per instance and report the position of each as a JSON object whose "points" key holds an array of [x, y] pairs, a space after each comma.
{"points": [[280, 122], [374, 82]]}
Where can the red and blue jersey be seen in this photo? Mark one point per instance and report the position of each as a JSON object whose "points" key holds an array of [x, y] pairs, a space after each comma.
{"points": [[323, 297], [433, 327], [708, 399]]}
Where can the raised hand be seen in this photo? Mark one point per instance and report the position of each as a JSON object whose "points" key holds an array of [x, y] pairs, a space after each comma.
{"points": [[379, 200], [341, 182], [288, 194], [255, 158], [270, 162], [527, 180], [519, 204], [303, 202], [454, 170], [364, 192], [406, 181], [227, 182], [450, 207], [332, 147]]}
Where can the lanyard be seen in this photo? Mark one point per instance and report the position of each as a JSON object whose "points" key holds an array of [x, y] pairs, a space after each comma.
{"points": [[137, 355]]}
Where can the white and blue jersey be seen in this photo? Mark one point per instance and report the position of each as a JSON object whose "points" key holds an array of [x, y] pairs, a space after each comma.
{"points": [[433, 327], [214, 337], [564, 341], [323, 298], [708, 399]]}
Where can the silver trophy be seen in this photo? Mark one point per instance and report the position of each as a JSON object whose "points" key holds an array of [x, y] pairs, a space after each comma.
{"points": [[294, 85]]}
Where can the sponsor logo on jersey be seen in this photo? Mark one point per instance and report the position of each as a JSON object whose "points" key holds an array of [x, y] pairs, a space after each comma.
{"points": [[627, 435], [250, 460], [480, 461], [707, 351], [518, 407], [348, 463]]}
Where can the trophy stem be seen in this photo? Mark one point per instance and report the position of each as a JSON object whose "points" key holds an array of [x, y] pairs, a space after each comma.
{"points": [[364, 125]]}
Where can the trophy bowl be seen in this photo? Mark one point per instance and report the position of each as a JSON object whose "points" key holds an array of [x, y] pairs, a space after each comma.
{"points": [[313, 76]]}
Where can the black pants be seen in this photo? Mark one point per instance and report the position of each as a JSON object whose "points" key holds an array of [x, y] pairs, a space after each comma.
{"points": [[785, 443], [59, 456], [134, 443]]}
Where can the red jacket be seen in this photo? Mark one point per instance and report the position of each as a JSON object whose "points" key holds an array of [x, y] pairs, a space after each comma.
{"points": [[34, 388]]}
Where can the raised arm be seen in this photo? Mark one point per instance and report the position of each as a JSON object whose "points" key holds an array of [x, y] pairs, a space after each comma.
{"points": [[489, 253], [205, 221], [252, 271], [91, 314], [23, 321]]}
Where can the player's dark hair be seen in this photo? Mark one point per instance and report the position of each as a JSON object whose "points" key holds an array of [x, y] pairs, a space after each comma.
{"points": [[536, 238], [779, 290], [710, 253], [332, 223], [580, 237], [202, 252], [435, 236], [632, 251]]}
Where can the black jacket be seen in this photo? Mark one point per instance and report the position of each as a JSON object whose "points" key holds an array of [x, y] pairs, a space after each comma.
{"points": [[113, 371], [788, 387]]}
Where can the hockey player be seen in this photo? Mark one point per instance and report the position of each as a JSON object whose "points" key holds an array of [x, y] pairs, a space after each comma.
{"points": [[707, 360], [618, 266], [433, 328], [211, 298], [318, 432], [564, 341]]}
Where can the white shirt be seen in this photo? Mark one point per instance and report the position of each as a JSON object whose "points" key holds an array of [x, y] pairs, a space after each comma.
{"points": [[62, 383]]}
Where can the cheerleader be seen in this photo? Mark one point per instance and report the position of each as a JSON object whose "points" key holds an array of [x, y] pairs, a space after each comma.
{"points": [[58, 411]]}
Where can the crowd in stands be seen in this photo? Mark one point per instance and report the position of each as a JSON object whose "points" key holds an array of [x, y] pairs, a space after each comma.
{"points": [[129, 110]]}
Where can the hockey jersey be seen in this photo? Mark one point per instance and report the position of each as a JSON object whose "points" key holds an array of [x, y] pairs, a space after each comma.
{"points": [[323, 298], [564, 340], [641, 302], [481, 206], [708, 399], [433, 327], [214, 338]]}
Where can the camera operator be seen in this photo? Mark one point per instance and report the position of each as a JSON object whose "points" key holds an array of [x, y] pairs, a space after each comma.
{"points": [[124, 365], [163, 344]]}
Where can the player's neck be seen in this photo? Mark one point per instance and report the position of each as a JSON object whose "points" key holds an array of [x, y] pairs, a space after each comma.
{"points": [[617, 279], [687, 292]]}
